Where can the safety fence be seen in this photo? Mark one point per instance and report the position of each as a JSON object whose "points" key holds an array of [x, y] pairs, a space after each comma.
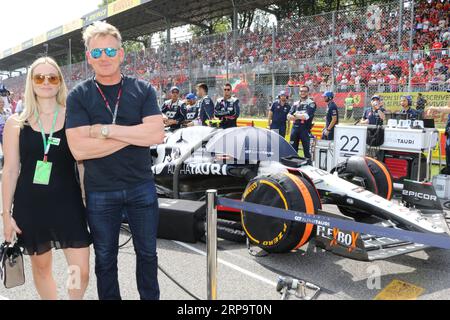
{"points": [[379, 48]]}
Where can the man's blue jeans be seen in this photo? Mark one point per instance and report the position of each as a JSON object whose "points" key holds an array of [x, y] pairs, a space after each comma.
{"points": [[105, 211]]}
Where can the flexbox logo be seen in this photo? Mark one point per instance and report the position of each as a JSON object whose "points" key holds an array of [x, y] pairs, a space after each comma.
{"points": [[419, 195]]}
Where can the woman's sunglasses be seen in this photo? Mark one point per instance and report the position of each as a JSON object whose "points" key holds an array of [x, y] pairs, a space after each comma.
{"points": [[97, 52], [52, 79]]}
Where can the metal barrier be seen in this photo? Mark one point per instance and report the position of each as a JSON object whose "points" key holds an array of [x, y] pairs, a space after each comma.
{"points": [[211, 236]]}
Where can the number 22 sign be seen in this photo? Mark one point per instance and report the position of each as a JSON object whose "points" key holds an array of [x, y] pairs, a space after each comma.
{"points": [[349, 141]]}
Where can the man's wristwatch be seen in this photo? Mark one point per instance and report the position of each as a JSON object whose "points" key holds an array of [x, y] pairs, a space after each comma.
{"points": [[104, 131]]}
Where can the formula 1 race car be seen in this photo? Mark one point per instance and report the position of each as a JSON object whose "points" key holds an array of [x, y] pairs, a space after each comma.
{"points": [[257, 165]]}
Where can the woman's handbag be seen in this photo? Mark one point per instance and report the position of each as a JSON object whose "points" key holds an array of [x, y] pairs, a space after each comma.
{"points": [[11, 269]]}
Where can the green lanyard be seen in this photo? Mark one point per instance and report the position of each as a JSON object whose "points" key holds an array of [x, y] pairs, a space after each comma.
{"points": [[46, 142]]}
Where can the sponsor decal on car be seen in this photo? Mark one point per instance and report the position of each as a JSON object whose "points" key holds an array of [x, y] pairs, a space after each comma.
{"points": [[200, 169], [347, 239], [419, 195]]}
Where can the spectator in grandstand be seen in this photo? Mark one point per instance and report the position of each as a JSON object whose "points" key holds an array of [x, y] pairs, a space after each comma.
{"points": [[302, 113], [174, 110], [4, 115], [20, 105], [278, 114], [205, 104], [406, 104], [42, 200], [192, 111], [332, 116], [375, 115], [111, 121], [227, 108]]}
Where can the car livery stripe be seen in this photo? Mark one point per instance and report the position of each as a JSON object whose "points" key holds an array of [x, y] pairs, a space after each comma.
{"points": [[309, 207]]}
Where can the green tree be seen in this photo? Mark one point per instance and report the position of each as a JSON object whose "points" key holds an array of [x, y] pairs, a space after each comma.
{"points": [[295, 9], [212, 26]]}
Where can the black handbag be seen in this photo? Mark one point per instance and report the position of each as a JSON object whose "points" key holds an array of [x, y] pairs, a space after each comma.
{"points": [[11, 269]]}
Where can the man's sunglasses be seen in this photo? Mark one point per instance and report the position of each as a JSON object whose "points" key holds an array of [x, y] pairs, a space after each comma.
{"points": [[52, 79], [226, 89], [97, 52]]}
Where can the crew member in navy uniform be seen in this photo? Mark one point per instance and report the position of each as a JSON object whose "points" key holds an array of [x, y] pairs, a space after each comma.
{"points": [[278, 114], [174, 110], [227, 108], [406, 103], [302, 113], [192, 109], [332, 117], [205, 104], [375, 115]]}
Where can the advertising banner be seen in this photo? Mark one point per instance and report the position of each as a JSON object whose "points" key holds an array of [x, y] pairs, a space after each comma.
{"points": [[121, 6], [27, 44], [339, 99], [17, 49], [55, 33], [40, 39], [99, 14], [7, 52], [72, 26], [435, 99]]}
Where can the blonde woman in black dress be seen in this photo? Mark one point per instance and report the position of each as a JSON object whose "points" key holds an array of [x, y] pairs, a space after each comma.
{"points": [[42, 201]]}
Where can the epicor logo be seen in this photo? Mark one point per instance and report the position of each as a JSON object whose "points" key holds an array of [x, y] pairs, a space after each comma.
{"points": [[419, 195]]}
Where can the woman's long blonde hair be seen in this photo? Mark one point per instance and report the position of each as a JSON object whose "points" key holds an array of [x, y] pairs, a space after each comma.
{"points": [[29, 98]]}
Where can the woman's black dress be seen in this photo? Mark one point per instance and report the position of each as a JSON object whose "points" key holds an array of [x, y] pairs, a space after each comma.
{"points": [[51, 216]]}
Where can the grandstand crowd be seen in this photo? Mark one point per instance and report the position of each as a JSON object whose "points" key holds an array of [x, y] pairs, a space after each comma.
{"points": [[368, 52]]}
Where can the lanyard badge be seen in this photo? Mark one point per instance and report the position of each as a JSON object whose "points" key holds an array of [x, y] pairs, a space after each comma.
{"points": [[43, 169], [108, 107]]}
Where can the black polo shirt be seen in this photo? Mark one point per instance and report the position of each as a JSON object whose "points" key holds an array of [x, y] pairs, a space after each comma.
{"points": [[131, 165]]}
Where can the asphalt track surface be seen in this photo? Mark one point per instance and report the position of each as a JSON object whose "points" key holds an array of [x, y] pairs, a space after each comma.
{"points": [[244, 277]]}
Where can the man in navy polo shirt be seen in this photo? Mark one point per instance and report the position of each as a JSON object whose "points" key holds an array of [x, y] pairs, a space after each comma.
{"points": [[278, 114], [302, 113], [112, 120], [375, 115], [332, 116]]}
